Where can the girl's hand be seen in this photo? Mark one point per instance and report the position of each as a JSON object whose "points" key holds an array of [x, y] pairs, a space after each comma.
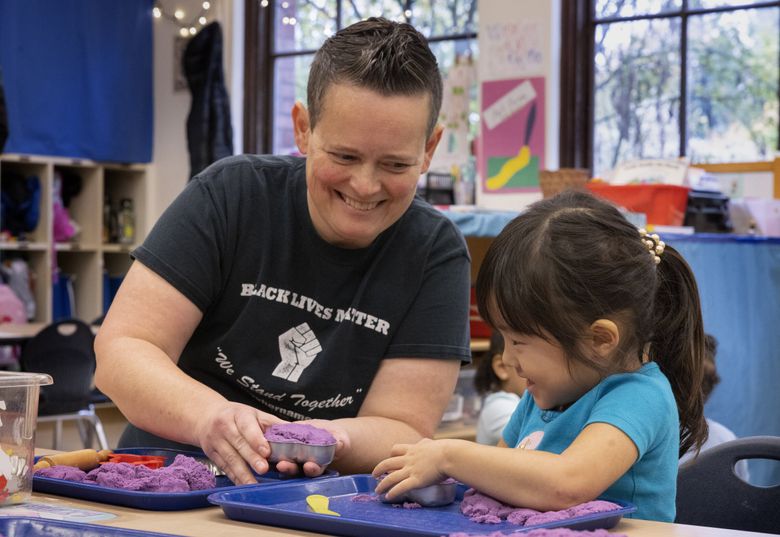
{"points": [[232, 436], [311, 469], [411, 466]]}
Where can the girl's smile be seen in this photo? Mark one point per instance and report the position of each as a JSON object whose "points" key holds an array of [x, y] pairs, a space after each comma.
{"points": [[551, 379]]}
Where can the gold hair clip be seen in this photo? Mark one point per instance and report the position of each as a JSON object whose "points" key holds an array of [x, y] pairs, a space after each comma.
{"points": [[654, 244]]}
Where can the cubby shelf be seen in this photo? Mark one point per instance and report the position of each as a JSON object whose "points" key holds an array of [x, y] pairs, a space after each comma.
{"points": [[86, 257]]}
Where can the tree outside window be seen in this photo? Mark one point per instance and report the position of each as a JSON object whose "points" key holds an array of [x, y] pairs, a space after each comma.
{"points": [[693, 78]]}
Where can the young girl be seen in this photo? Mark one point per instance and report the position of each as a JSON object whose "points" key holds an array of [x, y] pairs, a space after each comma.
{"points": [[502, 387], [604, 323]]}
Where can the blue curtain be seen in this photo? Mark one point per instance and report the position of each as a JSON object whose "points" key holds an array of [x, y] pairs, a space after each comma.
{"points": [[78, 78], [739, 284]]}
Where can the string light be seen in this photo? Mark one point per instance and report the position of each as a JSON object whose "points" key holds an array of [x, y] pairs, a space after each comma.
{"points": [[292, 21], [189, 27]]}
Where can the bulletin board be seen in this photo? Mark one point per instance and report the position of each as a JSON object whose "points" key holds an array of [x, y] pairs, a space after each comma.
{"points": [[512, 135]]}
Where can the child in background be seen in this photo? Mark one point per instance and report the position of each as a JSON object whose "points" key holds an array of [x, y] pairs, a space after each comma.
{"points": [[604, 323], [502, 387], [718, 433]]}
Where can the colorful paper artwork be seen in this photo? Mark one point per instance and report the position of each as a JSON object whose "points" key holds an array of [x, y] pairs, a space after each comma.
{"points": [[512, 135]]}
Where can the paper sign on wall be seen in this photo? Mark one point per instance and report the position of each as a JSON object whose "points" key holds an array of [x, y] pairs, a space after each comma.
{"points": [[511, 48], [512, 135]]}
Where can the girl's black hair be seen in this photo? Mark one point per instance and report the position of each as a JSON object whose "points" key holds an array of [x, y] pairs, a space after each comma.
{"points": [[570, 260]]}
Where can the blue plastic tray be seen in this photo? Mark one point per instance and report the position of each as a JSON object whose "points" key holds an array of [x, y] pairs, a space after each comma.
{"points": [[16, 526], [285, 505], [154, 501]]}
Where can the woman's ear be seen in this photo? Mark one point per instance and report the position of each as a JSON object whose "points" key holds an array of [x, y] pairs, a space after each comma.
{"points": [[301, 127], [605, 337], [430, 147]]}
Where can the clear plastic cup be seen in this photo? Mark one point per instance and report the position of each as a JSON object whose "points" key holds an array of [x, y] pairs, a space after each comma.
{"points": [[18, 419]]}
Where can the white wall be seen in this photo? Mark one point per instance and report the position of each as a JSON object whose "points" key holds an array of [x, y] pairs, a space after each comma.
{"points": [[170, 167]]}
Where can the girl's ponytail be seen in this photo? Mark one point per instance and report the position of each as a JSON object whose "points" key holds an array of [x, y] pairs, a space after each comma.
{"points": [[677, 344]]}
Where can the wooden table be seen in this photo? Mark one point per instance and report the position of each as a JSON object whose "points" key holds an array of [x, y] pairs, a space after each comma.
{"points": [[211, 521], [457, 429]]}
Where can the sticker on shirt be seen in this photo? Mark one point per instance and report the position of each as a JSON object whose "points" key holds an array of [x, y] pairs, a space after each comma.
{"points": [[299, 347], [531, 441]]}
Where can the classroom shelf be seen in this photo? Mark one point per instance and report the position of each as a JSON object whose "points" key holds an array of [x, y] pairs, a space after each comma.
{"points": [[87, 256]]}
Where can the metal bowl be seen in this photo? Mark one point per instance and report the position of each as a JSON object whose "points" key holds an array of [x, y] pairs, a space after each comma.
{"points": [[431, 496], [300, 452]]}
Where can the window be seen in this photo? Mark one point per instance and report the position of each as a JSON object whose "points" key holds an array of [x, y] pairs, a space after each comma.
{"points": [[283, 35], [668, 78]]}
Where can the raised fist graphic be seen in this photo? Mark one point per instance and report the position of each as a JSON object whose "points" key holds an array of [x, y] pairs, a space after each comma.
{"points": [[298, 348]]}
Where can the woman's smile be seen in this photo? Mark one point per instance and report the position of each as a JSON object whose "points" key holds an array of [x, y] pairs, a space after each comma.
{"points": [[357, 204]]}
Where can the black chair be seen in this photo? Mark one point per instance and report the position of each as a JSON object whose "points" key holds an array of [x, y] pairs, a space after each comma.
{"points": [[709, 493], [64, 350]]}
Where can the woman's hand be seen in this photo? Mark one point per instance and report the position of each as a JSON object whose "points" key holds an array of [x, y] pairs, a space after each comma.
{"points": [[232, 436], [311, 469], [411, 466]]}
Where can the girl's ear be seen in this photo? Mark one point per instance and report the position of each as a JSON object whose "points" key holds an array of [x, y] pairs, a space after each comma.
{"points": [[499, 368], [605, 337]]}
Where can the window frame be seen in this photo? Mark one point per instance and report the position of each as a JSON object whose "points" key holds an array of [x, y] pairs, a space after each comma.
{"points": [[578, 27], [259, 70]]}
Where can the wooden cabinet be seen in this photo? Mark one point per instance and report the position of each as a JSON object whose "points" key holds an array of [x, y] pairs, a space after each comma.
{"points": [[88, 255]]}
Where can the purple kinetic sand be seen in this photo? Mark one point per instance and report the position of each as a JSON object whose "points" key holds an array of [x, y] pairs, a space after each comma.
{"points": [[481, 508], [363, 498], [299, 432], [547, 532], [407, 505], [68, 473], [183, 475]]}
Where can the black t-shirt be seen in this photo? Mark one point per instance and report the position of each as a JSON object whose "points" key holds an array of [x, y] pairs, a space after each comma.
{"points": [[292, 324]]}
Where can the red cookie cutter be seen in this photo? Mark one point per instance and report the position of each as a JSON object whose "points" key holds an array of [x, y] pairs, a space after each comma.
{"points": [[150, 461]]}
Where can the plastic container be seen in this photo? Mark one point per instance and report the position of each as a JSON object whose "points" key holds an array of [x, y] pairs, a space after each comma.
{"points": [[18, 420], [664, 205], [126, 222]]}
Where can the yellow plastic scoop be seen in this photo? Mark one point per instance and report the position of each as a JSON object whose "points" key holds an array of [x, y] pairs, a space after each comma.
{"points": [[319, 504]]}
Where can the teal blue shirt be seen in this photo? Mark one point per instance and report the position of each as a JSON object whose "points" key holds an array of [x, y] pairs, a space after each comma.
{"points": [[642, 405]]}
